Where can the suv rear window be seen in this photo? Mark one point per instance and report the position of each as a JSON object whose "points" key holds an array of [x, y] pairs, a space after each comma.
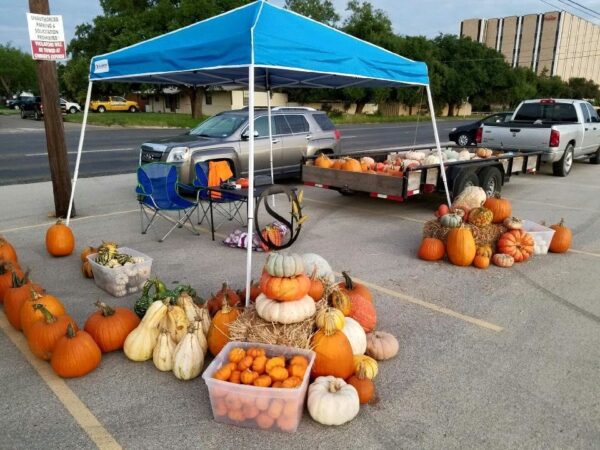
{"points": [[323, 122], [298, 123], [555, 112]]}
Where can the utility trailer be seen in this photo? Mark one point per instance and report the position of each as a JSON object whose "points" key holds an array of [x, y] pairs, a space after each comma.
{"points": [[489, 173]]}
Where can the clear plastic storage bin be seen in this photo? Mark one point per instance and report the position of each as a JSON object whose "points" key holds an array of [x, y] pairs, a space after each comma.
{"points": [[277, 409], [125, 280], [542, 236]]}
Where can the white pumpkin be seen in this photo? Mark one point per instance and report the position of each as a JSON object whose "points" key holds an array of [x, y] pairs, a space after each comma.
{"points": [[418, 156], [332, 401], [452, 155], [356, 335], [312, 260], [284, 265], [285, 312], [188, 357], [410, 163], [471, 197], [162, 356], [464, 155], [431, 159]]}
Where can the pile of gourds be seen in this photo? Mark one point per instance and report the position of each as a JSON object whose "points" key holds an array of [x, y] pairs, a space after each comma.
{"points": [[473, 207], [52, 334]]}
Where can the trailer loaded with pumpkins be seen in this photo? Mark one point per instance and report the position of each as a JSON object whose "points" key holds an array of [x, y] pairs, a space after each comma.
{"points": [[398, 175]]}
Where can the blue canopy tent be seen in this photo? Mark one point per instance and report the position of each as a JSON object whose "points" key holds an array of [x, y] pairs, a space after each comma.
{"points": [[255, 46]]}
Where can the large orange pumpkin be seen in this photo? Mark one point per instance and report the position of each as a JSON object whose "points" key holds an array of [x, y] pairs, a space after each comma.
{"points": [[110, 326], [516, 243], [500, 207], [60, 240], [218, 333], [351, 165], [561, 240], [333, 352], [7, 251], [432, 249], [337, 164], [363, 311], [323, 161], [285, 289], [7, 271], [75, 354], [44, 334], [30, 315], [461, 246], [16, 296], [354, 289]]}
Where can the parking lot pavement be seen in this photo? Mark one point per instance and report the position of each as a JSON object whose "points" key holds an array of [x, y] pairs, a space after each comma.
{"points": [[501, 358]]}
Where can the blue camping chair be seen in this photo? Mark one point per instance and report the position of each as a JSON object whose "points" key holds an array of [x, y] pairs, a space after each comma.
{"points": [[228, 205], [157, 193]]}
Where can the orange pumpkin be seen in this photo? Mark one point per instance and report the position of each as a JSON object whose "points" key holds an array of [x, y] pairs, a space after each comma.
{"points": [[216, 301], [86, 270], [323, 161], [333, 352], [16, 296], [363, 385], [561, 240], [218, 333], [29, 315], [363, 311], [109, 327], [432, 249], [254, 292], [516, 243], [354, 289], [317, 287], [500, 207], [340, 300], [285, 289], [60, 240], [75, 354], [87, 251], [7, 269], [337, 164], [351, 165], [461, 246], [44, 334], [481, 262], [7, 251]]}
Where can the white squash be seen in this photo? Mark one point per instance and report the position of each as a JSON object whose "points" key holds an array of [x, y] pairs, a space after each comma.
{"points": [[176, 322], [410, 164], [162, 356], [188, 305], [431, 159], [203, 317], [451, 154], [140, 343], [464, 155], [199, 333], [285, 312], [356, 335], [331, 401], [312, 260], [418, 156], [471, 197], [188, 358], [284, 265]]}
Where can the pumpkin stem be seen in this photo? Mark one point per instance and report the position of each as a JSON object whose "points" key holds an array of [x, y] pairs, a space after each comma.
{"points": [[70, 331], [562, 222], [20, 282], [348, 281], [34, 294], [334, 386], [48, 316], [226, 308], [106, 310]]}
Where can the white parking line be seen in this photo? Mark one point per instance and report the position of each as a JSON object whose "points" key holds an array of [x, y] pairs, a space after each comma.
{"points": [[107, 150]]}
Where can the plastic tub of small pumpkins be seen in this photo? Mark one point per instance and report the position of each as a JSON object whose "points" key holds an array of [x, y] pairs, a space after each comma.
{"points": [[542, 236], [246, 405], [122, 280]]}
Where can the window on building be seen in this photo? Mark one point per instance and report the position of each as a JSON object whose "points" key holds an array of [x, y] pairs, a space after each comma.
{"points": [[208, 97]]}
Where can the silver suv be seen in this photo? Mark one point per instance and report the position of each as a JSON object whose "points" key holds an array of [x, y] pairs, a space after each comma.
{"points": [[297, 132]]}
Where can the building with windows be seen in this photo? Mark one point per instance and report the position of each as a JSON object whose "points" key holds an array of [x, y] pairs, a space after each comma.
{"points": [[558, 42]]}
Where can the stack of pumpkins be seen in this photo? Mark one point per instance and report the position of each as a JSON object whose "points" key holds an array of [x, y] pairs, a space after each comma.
{"points": [[284, 290]]}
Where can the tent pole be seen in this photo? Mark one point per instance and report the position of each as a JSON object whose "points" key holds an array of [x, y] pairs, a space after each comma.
{"points": [[437, 144], [270, 134], [79, 149], [250, 238]]}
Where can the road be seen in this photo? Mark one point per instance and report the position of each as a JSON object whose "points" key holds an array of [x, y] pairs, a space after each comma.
{"points": [[114, 150]]}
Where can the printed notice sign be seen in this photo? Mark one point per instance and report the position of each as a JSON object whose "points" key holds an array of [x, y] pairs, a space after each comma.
{"points": [[47, 36]]}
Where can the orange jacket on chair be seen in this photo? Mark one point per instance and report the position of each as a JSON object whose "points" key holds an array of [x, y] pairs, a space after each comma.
{"points": [[218, 171]]}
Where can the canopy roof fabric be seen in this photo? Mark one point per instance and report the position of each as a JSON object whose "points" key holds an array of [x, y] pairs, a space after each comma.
{"points": [[287, 50]]}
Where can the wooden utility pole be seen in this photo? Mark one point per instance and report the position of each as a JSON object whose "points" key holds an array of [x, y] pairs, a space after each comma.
{"points": [[53, 122]]}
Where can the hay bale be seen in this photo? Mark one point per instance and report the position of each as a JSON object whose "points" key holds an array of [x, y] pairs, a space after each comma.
{"points": [[249, 327], [488, 235]]}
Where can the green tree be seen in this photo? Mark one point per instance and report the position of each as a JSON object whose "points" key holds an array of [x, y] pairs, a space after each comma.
{"points": [[17, 71], [583, 89], [320, 10]]}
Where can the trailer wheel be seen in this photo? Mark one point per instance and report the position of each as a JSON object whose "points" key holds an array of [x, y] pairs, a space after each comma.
{"points": [[464, 180], [491, 180]]}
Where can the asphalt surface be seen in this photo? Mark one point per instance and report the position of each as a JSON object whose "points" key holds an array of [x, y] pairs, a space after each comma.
{"points": [[529, 382], [114, 150]]}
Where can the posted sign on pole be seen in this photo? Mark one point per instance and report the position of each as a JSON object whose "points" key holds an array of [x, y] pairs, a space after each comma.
{"points": [[47, 37]]}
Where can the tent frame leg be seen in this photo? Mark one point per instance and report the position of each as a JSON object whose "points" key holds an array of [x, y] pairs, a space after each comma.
{"points": [[250, 182], [437, 144], [88, 97]]}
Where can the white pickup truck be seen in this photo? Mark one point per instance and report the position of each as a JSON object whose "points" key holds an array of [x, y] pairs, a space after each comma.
{"points": [[565, 130]]}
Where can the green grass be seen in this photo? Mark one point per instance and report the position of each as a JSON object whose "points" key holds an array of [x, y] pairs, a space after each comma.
{"points": [[7, 112], [374, 118], [127, 119]]}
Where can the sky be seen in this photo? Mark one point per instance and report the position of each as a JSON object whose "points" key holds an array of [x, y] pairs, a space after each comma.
{"points": [[409, 17]]}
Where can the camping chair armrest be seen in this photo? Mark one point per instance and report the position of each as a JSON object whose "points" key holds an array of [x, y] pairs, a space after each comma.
{"points": [[185, 188]]}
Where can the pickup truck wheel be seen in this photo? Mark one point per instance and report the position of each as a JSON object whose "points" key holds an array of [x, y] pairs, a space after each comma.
{"points": [[36, 116], [464, 180], [132, 109], [563, 167], [23, 116], [463, 140], [491, 180], [595, 159], [101, 109]]}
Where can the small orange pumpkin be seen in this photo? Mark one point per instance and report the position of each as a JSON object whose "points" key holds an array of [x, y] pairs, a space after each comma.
{"points": [[317, 288], [562, 238], [7, 251], [285, 289], [218, 332], [16, 296], [75, 354], [432, 249], [60, 240], [44, 334], [29, 315], [481, 262], [351, 165], [500, 207], [323, 161]]}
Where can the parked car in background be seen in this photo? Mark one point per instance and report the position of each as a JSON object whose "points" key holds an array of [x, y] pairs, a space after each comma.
{"points": [[70, 107], [114, 103], [18, 101], [35, 109], [297, 133], [564, 129], [465, 134]]}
